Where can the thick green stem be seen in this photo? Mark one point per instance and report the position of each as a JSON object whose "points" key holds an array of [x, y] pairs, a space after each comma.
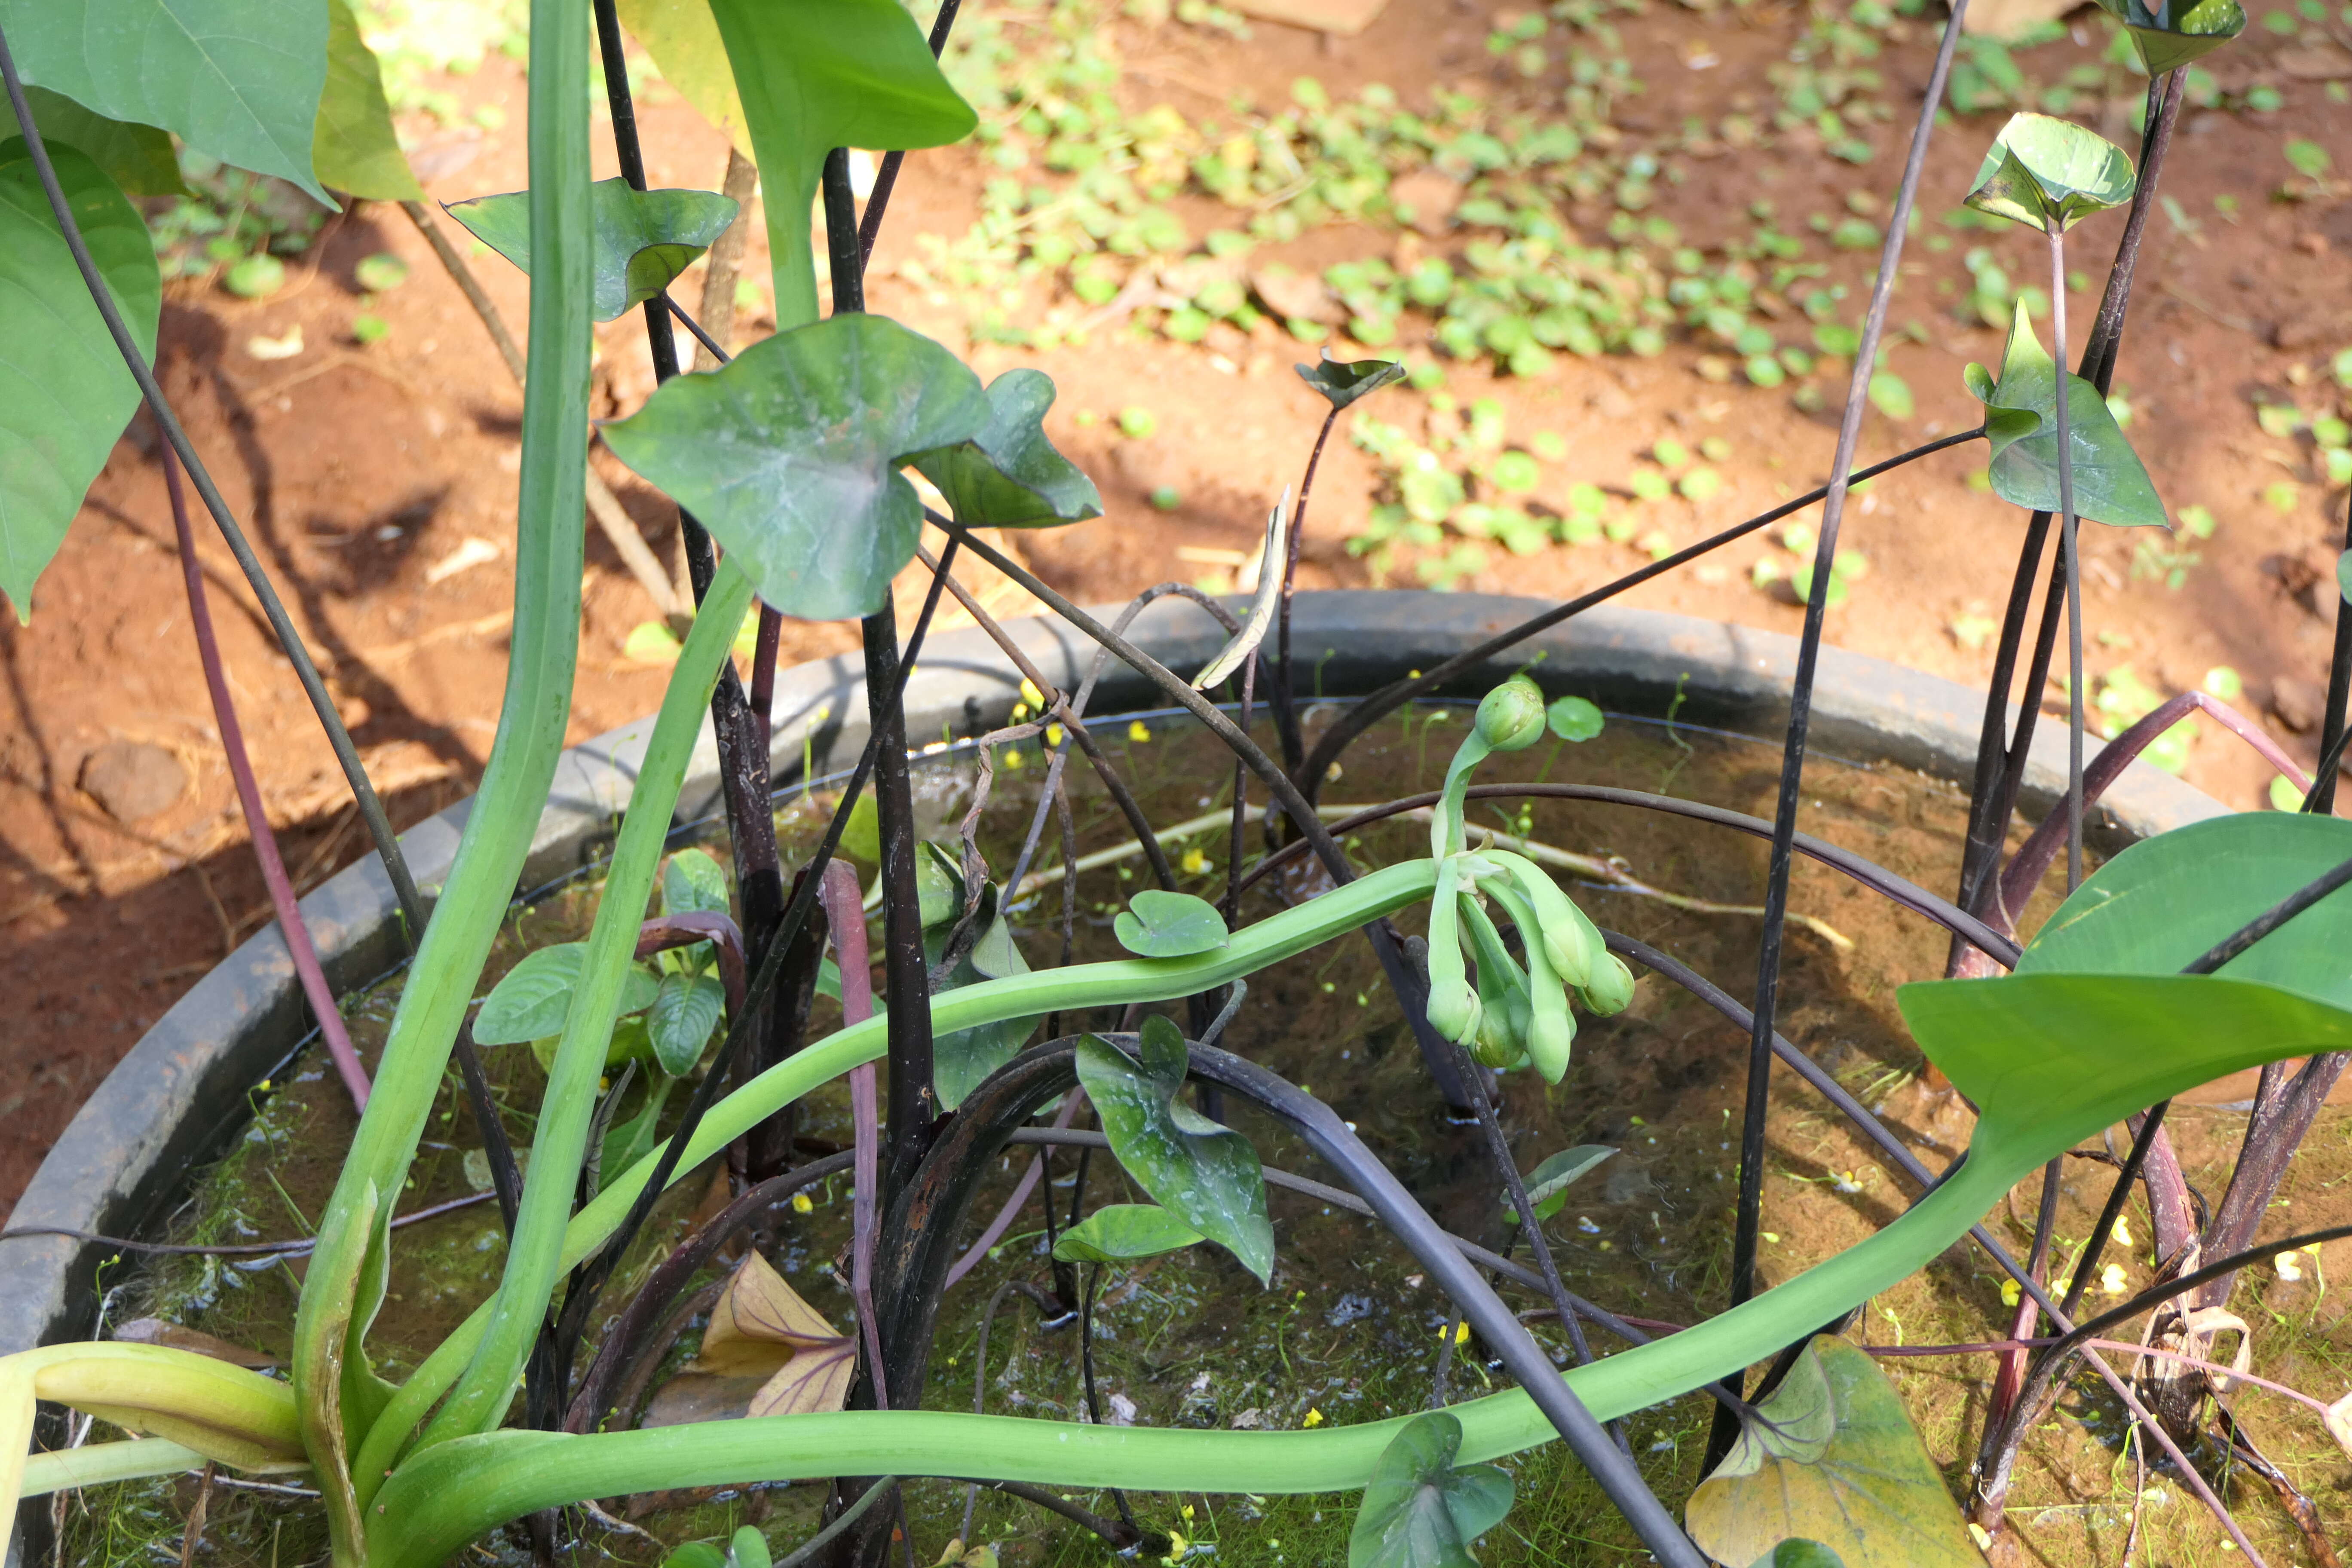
{"points": [[544, 649]]}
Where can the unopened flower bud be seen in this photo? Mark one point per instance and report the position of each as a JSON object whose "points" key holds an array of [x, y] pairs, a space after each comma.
{"points": [[1511, 717]]}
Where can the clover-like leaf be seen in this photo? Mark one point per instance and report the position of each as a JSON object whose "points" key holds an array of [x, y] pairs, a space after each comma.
{"points": [[1272, 567], [1830, 1457], [693, 884], [963, 1058], [533, 999], [1342, 381], [138, 158], [790, 454], [766, 1352], [1548, 1183], [1160, 924], [353, 147], [813, 75], [2171, 33], [2047, 173], [65, 394], [2111, 484], [684, 1012], [1121, 1233], [1574, 718], [1206, 1175], [1008, 474], [1421, 1509], [643, 238]]}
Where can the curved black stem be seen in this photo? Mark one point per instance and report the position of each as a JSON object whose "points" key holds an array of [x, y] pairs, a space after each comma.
{"points": [[1284, 695], [847, 1520], [2087, 1266]]}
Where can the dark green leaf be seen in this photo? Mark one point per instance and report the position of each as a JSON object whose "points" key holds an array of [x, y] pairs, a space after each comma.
{"points": [[643, 238], [1795, 1554], [530, 1002], [65, 392], [961, 1060], [139, 158], [748, 1548], [1342, 381], [685, 1010], [697, 1554], [1161, 924], [353, 147], [813, 75], [1206, 1175], [1120, 1233], [239, 80], [790, 454], [939, 886], [1422, 1510], [1009, 474], [692, 883], [2111, 484], [2046, 172], [1832, 1458], [1573, 719], [1548, 1183], [2172, 33]]}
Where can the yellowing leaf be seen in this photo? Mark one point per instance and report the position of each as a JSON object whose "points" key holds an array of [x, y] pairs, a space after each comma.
{"points": [[766, 1352], [1832, 1458], [759, 1323], [683, 38]]}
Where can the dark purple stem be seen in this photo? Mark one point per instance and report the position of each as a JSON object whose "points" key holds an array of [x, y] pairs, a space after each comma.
{"points": [[844, 912]]}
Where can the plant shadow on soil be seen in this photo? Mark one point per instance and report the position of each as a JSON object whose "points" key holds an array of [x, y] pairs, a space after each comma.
{"points": [[1349, 1329]]}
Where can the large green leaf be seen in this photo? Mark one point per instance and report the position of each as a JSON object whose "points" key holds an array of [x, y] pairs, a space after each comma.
{"points": [[683, 38], [643, 238], [2047, 173], [679, 1023], [65, 392], [238, 79], [819, 74], [1830, 1457], [139, 158], [2111, 484], [1121, 1233], [693, 883], [2171, 33], [1422, 1510], [2167, 901], [353, 147], [533, 998], [1009, 474], [790, 454], [1206, 1175]]}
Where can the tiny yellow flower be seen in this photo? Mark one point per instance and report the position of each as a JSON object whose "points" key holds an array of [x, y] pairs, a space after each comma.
{"points": [[1196, 864], [801, 1204], [1187, 1510], [2289, 1266], [2123, 1226], [2009, 1290], [1461, 1333], [1176, 1547], [1137, 731], [1313, 1418], [2111, 1279], [1030, 694], [1011, 760], [1054, 732], [1020, 711]]}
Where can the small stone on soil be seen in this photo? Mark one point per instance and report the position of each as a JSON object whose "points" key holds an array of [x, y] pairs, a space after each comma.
{"points": [[133, 780]]}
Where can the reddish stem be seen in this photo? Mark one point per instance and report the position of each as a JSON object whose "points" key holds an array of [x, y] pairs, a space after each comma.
{"points": [[248, 798], [844, 910], [665, 931]]}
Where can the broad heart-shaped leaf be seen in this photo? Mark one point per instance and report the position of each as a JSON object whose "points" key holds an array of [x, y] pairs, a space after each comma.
{"points": [[1342, 381], [530, 1002], [237, 79], [2172, 33], [1120, 1233], [65, 394], [766, 1352], [1548, 1183], [684, 1012], [138, 158], [1008, 475], [1794, 1553], [961, 1058], [790, 454], [814, 75], [1833, 1460], [683, 38], [2111, 484], [2046, 172], [1161, 924], [1206, 1175], [352, 146], [693, 884], [2165, 901], [643, 238], [1422, 1510]]}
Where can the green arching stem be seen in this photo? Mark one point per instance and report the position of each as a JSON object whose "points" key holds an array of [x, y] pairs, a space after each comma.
{"points": [[1445, 821], [534, 1260], [548, 545]]}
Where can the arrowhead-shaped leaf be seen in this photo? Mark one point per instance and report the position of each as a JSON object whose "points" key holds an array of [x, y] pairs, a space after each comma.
{"points": [[1830, 1457], [1120, 1233], [643, 238], [138, 158], [65, 392], [683, 38], [2172, 33], [1342, 381], [1548, 1183], [353, 147], [1422, 1510], [1204, 1175], [1008, 475], [1160, 924], [236, 80], [684, 1011], [530, 1002], [2046, 172], [814, 75], [790, 456], [961, 1058], [2111, 484]]}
